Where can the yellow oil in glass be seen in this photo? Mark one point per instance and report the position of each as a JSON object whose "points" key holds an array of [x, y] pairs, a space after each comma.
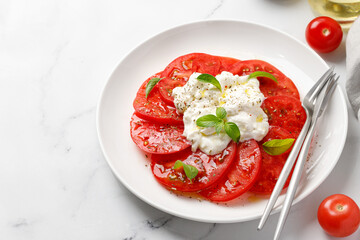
{"points": [[343, 11]]}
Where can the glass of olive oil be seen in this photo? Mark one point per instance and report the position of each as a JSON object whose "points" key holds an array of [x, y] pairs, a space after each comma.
{"points": [[343, 11]]}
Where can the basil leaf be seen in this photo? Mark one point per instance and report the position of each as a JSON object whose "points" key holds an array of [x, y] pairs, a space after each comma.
{"points": [[277, 146], [178, 164], [219, 127], [233, 131], [207, 121], [150, 85], [207, 78], [190, 171], [220, 112], [263, 74]]}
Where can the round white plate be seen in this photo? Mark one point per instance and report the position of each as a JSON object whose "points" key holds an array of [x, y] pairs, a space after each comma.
{"points": [[243, 40]]}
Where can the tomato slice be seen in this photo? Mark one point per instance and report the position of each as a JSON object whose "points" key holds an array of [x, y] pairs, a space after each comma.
{"points": [[211, 168], [166, 85], [154, 108], [242, 174], [227, 63], [267, 86], [177, 73], [271, 166], [182, 67], [157, 138], [285, 112]]}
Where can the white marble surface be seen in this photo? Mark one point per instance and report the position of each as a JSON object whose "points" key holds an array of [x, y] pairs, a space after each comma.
{"points": [[55, 57]]}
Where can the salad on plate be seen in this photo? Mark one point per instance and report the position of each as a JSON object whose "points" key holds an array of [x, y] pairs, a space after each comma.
{"points": [[217, 126]]}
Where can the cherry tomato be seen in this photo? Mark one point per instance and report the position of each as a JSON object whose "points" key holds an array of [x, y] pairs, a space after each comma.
{"points": [[339, 215], [324, 34]]}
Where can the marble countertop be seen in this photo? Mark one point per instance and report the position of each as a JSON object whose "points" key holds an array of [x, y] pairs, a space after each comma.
{"points": [[55, 57]]}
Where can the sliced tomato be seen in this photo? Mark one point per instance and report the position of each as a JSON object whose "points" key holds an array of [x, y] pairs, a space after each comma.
{"points": [[241, 176], [211, 168], [182, 67], [153, 108], [177, 73], [157, 138], [268, 87], [227, 63], [285, 112], [166, 85], [271, 166]]}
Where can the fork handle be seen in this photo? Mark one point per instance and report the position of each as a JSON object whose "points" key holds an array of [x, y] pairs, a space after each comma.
{"points": [[286, 171], [294, 181]]}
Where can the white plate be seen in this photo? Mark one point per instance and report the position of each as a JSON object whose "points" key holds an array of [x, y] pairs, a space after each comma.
{"points": [[237, 39]]}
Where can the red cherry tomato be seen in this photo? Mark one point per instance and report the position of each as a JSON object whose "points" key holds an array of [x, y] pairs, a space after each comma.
{"points": [[324, 34], [339, 215]]}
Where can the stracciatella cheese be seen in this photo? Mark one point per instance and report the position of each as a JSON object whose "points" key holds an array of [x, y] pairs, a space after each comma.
{"points": [[240, 97]]}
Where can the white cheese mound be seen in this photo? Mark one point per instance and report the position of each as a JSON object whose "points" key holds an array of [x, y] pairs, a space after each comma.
{"points": [[240, 97]]}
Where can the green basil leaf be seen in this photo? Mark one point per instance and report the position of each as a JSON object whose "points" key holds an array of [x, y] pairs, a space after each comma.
{"points": [[190, 171], [207, 121], [178, 164], [207, 78], [220, 112], [150, 85], [277, 146], [233, 131], [263, 74], [219, 126]]}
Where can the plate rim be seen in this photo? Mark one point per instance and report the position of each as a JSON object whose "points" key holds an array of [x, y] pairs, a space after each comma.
{"points": [[184, 25]]}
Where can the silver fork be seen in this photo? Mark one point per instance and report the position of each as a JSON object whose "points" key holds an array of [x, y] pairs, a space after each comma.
{"points": [[309, 105], [320, 105]]}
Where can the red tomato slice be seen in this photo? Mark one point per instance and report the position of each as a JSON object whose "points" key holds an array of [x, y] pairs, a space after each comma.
{"points": [[154, 108], [285, 112], [227, 63], [177, 73], [166, 85], [267, 86], [271, 166], [157, 138], [182, 67], [211, 168], [242, 174]]}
